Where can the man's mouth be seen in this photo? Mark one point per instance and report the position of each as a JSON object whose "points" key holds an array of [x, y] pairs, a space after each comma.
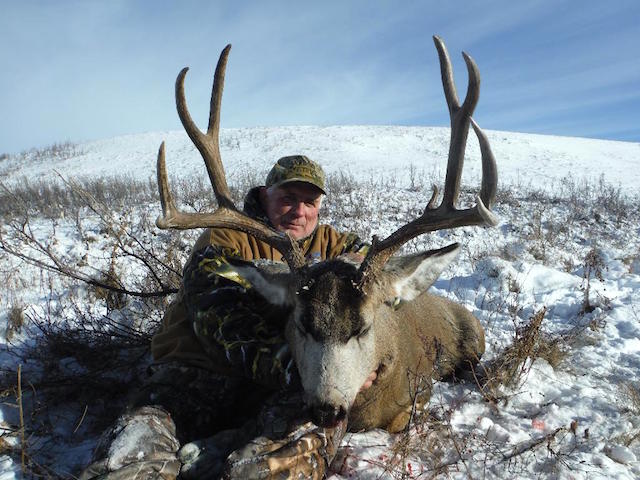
{"points": [[292, 226]]}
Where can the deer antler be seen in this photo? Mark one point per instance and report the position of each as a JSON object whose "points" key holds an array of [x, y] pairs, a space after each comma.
{"points": [[227, 214], [446, 215]]}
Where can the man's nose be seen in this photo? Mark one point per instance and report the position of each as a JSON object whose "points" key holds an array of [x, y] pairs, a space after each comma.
{"points": [[298, 209]]}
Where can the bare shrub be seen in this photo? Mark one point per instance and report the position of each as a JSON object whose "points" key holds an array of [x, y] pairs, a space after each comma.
{"points": [[593, 267], [242, 182], [558, 223], [629, 404], [55, 151], [508, 195], [59, 197], [79, 362], [129, 240], [513, 364], [56, 198], [597, 200], [341, 183], [110, 290], [415, 178], [545, 232], [611, 200], [346, 208], [77, 373], [15, 321], [195, 193], [630, 398]]}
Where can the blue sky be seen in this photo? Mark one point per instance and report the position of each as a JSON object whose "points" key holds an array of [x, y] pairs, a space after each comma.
{"points": [[80, 70]]}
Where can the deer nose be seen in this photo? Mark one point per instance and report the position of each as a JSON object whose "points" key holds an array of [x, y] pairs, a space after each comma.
{"points": [[327, 415]]}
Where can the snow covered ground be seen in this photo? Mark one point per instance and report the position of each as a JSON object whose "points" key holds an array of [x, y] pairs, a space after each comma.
{"points": [[570, 212]]}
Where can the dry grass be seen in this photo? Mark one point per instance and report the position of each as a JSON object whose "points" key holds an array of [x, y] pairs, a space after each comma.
{"points": [[630, 406], [593, 267], [512, 365], [15, 321], [631, 394]]}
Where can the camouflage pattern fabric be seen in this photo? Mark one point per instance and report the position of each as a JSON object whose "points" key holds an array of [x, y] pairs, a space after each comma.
{"points": [[234, 322], [141, 446], [296, 168]]}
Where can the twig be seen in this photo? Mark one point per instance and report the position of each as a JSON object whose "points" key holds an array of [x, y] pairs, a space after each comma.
{"points": [[22, 441], [458, 449], [519, 450], [60, 268]]}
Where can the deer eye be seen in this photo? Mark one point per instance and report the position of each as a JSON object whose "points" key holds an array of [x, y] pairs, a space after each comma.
{"points": [[364, 331]]}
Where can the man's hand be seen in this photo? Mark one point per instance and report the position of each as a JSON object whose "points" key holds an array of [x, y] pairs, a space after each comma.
{"points": [[369, 381]]}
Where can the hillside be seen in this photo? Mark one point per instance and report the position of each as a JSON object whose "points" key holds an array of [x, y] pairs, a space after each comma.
{"points": [[523, 158], [555, 286]]}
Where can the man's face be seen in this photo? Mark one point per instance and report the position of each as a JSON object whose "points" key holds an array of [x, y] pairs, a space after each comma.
{"points": [[292, 207]]}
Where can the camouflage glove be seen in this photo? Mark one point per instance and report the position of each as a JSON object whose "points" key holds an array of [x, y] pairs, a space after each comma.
{"points": [[290, 446], [140, 446], [306, 452]]}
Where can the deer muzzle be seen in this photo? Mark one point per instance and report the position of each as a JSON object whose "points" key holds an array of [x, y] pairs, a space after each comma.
{"points": [[327, 415]]}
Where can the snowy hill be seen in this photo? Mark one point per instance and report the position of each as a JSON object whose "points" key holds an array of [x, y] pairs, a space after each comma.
{"points": [[567, 251], [522, 158]]}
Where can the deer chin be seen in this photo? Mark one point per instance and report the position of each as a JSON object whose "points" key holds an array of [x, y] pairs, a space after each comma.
{"points": [[327, 416]]}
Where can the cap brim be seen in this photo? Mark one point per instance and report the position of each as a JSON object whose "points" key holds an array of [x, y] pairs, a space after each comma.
{"points": [[299, 180]]}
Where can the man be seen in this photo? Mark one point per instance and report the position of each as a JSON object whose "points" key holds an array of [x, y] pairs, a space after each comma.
{"points": [[217, 334]]}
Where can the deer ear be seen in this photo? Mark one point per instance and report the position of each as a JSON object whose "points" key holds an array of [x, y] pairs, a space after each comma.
{"points": [[414, 274], [270, 281]]}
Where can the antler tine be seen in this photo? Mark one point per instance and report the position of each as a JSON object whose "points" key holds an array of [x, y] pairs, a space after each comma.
{"points": [[489, 170], [460, 117], [446, 71], [166, 198], [208, 144], [213, 128], [226, 215], [446, 215]]}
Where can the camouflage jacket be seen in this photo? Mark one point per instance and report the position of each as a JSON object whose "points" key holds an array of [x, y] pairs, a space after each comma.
{"points": [[217, 320]]}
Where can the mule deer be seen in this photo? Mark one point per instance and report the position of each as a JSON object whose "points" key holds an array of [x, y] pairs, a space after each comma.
{"points": [[349, 320]]}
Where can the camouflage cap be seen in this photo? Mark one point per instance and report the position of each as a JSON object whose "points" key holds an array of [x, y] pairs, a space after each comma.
{"points": [[296, 168]]}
